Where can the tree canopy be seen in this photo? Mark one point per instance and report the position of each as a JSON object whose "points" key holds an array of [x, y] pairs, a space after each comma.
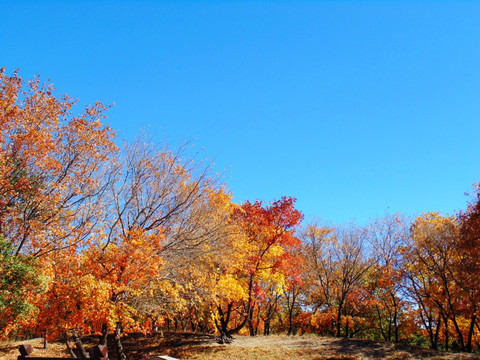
{"points": [[97, 237]]}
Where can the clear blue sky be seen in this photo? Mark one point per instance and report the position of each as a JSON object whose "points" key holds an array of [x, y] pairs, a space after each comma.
{"points": [[351, 107]]}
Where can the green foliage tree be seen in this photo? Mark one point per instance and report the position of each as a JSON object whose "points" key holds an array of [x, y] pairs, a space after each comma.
{"points": [[18, 277]]}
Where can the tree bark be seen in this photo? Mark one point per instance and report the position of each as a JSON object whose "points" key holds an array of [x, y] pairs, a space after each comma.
{"points": [[69, 348], [118, 342], [79, 344], [266, 327], [290, 312], [222, 327], [45, 341], [339, 320], [104, 336], [437, 331], [459, 332], [395, 317], [470, 334], [250, 321]]}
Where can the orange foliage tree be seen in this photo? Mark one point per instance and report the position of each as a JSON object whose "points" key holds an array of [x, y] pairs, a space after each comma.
{"points": [[294, 289], [50, 166], [268, 233], [433, 277], [93, 238], [165, 214], [338, 266], [469, 264], [390, 308], [51, 170]]}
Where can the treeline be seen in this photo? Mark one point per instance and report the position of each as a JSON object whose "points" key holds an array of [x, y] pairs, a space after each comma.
{"points": [[100, 238]]}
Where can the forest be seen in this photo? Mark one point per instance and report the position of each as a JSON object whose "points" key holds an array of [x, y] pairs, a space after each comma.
{"points": [[99, 236]]}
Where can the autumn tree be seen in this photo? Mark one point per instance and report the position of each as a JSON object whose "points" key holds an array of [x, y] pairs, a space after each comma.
{"points": [[165, 212], [432, 276], [294, 289], [19, 280], [192, 285], [74, 302], [267, 233], [469, 262], [387, 235], [50, 160], [337, 265], [51, 170]]}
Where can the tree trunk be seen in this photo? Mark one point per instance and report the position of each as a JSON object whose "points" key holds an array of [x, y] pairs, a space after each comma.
{"points": [[459, 332], [118, 342], [104, 336], [225, 338], [431, 336], [290, 319], [290, 327], [250, 321], [339, 320], [395, 317], [470, 334], [266, 327], [45, 341], [70, 350], [389, 329], [380, 323], [291, 308], [447, 334], [395, 320], [437, 331], [250, 308], [222, 327], [79, 344], [346, 328]]}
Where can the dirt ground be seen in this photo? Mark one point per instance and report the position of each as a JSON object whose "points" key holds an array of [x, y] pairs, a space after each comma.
{"points": [[332, 348], [203, 347], [9, 349]]}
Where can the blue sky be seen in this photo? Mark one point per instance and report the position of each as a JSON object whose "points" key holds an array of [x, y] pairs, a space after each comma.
{"points": [[352, 107]]}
